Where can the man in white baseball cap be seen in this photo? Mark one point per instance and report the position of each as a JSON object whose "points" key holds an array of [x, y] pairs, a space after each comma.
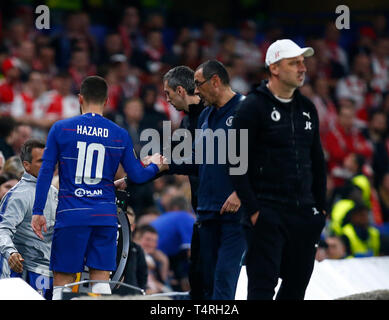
{"points": [[283, 192], [285, 60], [285, 48]]}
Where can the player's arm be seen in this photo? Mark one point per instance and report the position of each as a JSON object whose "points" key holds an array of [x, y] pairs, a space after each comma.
{"points": [[50, 158], [135, 170]]}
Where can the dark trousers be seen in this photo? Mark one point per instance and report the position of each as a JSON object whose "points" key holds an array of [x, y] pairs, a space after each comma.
{"points": [[282, 244], [195, 276], [221, 246]]}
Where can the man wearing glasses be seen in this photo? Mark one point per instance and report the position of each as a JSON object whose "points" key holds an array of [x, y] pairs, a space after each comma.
{"points": [[221, 237]]}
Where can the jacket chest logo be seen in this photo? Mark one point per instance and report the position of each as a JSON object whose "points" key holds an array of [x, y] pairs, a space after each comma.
{"points": [[229, 121], [275, 115], [308, 124]]}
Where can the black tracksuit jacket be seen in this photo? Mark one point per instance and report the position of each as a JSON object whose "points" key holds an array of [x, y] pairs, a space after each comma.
{"points": [[286, 165]]}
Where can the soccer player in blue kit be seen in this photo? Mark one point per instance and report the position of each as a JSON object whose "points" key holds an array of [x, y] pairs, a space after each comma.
{"points": [[88, 149]]}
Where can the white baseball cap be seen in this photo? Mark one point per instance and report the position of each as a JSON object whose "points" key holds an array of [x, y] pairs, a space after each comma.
{"points": [[285, 48]]}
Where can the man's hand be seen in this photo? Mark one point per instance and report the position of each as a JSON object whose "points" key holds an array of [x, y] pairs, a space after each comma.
{"points": [[232, 204], [146, 160], [120, 184], [15, 262], [37, 223], [254, 218], [160, 161]]}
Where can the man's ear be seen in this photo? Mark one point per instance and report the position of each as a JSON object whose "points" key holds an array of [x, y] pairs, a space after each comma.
{"points": [[215, 81], [273, 68], [181, 91], [26, 165]]}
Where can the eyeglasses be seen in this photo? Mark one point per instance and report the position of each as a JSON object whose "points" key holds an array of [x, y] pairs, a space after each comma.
{"points": [[199, 84]]}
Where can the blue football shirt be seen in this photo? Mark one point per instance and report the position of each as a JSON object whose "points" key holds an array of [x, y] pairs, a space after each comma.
{"points": [[88, 149]]}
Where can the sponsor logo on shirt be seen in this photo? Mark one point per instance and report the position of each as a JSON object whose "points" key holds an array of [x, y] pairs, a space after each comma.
{"points": [[80, 192]]}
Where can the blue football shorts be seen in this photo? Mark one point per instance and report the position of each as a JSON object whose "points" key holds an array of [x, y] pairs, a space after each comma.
{"points": [[79, 246]]}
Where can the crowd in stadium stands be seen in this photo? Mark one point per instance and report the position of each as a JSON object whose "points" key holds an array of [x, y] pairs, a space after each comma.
{"points": [[41, 73]]}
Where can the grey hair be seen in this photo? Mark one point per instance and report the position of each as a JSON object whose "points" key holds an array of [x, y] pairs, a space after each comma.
{"points": [[181, 76]]}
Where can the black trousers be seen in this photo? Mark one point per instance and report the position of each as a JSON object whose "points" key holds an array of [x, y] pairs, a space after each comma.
{"points": [[282, 244]]}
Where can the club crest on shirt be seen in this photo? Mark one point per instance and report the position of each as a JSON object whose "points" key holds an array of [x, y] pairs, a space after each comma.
{"points": [[275, 115], [229, 121]]}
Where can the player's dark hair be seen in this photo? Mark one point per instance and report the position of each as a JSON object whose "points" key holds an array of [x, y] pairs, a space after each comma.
{"points": [[25, 153], [212, 67], [181, 76], [94, 89]]}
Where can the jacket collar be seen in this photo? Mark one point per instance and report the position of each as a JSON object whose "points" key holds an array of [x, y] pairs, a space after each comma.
{"points": [[263, 89], [28, 177]]}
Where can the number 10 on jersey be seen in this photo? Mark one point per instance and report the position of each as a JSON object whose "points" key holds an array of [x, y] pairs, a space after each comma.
{"points": [[84, 163]]}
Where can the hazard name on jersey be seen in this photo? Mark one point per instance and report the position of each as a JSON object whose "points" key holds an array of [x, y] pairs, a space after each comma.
{"points": [[92, 131]]}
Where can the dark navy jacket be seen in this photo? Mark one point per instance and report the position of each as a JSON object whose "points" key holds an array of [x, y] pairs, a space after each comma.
{"points": [[215, 185]]}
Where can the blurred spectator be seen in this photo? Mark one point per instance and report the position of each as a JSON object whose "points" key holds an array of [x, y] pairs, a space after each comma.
{"points": [[357, 86], [175, 229], [335, 52], [151, 56], [7, 181], [31, 105], [155, 21], [75, 35], [129, 30], [227, 48], [135, 270], [157, 262], [7, 136], [26, 53], [133, 111], [14, 167], [209, 40], [127, 77], [45, 62], [62, 102], [376, 132], [383, 193], [361, 238], [325, 66], [80, 67], [10, 86], [184, 34], [246, 45], [15, 34], [147, 216], [343, 139], [191, 54], [152, 118], [332, 247], [380, 65], [23, 133], [325, 106], [112, 45], [336, 248], [340, 211], [238, 75], [167, 194], [15, 135], [357, 172], [380, 26]]}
